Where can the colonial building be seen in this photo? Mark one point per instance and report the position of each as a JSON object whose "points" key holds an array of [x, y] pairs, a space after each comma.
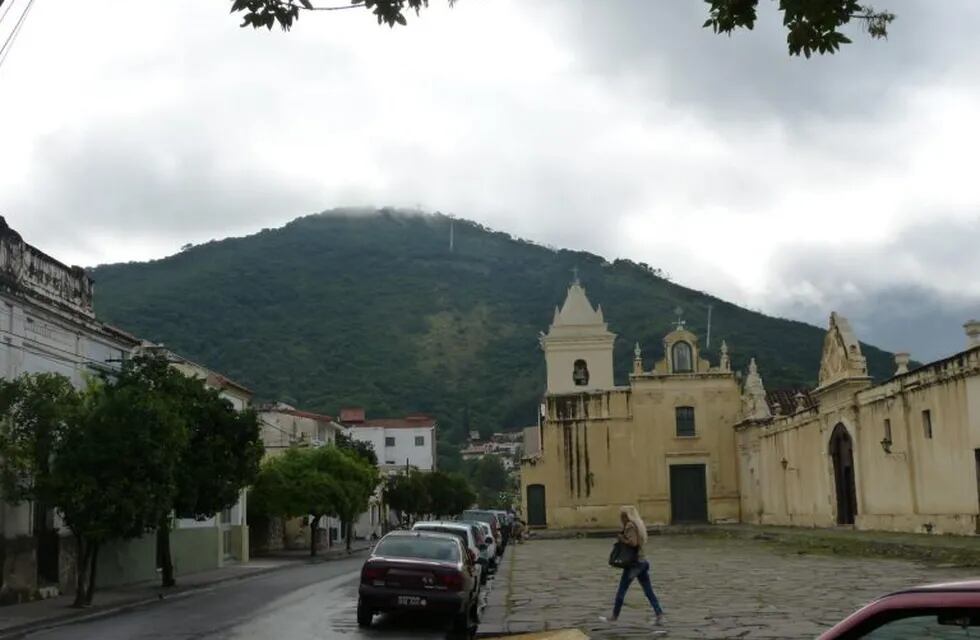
{"points": [[47, 325], [284, 427], [685, 443], [664, 442], [903, 455]]}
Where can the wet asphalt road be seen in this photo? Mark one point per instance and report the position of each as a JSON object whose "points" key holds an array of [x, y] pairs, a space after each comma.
{"points": [[301, 603]]}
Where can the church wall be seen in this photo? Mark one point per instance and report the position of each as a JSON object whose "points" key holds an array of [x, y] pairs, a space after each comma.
{"points": [[920, 485], [604, 450], [924, 484], [798, 492], [716, 401]]}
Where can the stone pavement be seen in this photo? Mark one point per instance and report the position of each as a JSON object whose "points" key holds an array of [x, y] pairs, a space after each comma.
{"points": [[18, 619], [709, 587]]}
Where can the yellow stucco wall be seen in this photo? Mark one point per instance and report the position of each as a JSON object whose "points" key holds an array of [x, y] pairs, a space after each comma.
{"points": [[921, 485], [603, 450]]}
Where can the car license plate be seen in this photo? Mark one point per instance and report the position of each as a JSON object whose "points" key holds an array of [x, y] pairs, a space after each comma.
{"points": [[411, 601]]}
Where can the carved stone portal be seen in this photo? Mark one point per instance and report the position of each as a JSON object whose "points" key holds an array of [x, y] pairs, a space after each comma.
{"points": [[842, 358]]}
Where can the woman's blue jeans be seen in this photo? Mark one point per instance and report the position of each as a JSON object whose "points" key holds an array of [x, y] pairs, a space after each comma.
{"points": [[641, 572]]}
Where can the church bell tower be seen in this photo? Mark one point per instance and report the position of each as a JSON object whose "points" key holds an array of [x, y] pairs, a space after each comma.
{"points": [[578, 348]]}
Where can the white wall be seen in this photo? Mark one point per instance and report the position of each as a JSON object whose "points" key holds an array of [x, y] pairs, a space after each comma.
{"points": [[420, 456], [35, 339]]}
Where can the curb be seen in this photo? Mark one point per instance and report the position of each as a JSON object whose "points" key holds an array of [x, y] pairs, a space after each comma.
{"points": [[85, 615]]}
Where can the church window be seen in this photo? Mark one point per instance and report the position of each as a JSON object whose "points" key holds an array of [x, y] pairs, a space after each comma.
{"points": [[390, 441], [580, 373], [888, 429], [419, 441], [927, 424], [682, 358], [685, 422]]}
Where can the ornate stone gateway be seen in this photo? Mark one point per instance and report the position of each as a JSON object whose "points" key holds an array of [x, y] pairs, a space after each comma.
{"points": [[842, 453], [688, 494]]}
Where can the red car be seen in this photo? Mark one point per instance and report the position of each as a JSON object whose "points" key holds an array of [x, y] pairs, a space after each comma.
{"points": [[431, 573], [950, 610]]}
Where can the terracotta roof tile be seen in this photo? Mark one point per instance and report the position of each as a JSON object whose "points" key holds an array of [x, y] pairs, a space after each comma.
{"points": [[785, 399]]}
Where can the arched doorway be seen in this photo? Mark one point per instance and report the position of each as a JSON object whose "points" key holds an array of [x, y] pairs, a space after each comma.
{"points": [[842, 454], [536, 513]]}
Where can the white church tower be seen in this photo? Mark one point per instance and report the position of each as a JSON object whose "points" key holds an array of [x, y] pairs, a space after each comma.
{"points": [[578, 348]]}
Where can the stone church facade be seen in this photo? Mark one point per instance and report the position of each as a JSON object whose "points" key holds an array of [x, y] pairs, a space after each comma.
{"points": [[687, 441]]}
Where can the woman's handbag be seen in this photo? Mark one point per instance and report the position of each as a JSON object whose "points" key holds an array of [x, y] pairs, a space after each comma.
{"points": [[622, 556]]}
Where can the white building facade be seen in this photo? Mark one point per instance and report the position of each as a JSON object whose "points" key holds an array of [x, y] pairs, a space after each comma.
{"points": [[47, 325], [400, 444]]}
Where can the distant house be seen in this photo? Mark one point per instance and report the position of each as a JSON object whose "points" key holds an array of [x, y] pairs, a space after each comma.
{"points": [[284, 427], [400, 444]]}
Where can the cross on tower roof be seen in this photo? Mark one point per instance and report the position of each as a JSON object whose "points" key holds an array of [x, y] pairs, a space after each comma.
{"points": [[680, 318]]}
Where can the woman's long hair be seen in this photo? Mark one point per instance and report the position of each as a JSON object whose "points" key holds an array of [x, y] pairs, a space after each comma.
{"points": [[633, 516]]}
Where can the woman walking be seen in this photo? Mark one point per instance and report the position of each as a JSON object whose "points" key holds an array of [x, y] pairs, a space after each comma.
{"points": [[634, 534]]}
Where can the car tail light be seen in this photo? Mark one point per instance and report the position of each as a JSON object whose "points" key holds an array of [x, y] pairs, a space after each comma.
{"points": [[452, 581], [371, 573]]}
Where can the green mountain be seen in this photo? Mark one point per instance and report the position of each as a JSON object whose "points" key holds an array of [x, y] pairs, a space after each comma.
{"points": [[376, 309]]}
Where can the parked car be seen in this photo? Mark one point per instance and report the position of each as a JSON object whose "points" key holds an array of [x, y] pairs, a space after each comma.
{"points": [[420, 571], [469, 534], [490, 552], [949, 610], [481, 515], [504, 519]]}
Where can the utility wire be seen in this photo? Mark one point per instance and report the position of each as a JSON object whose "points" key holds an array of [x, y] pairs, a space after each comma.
{"points": [[12, 37], [10, 3]]}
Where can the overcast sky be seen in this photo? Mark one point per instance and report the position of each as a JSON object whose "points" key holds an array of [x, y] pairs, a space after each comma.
{"points": [[621, 127]]}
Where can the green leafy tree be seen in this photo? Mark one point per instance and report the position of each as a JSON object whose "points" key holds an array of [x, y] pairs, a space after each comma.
{"points": [[408, 495], [449, 494], [222, 456], [35, 412], [114, 471], [222, 452], [360, 448], [359, 500], [811, 25], [320, 482], [105, 459]]}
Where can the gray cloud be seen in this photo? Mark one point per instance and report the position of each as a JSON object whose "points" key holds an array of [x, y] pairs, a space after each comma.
{"points": [[622, 128], [905, 295], [661, 48]]}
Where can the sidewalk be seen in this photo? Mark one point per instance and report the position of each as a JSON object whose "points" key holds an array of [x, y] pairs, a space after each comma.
{"points": [[18, 619], [962, 551]]}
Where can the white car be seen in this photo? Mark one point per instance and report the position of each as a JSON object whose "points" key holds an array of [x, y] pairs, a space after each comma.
{"points": [[490, 553], [468, 533]]}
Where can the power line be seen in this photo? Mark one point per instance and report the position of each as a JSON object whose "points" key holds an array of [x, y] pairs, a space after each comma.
{"points": [[10, 3], [12, 37]]}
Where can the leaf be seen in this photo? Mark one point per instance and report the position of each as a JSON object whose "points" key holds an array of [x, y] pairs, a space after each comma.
{"points": [[307, 4]]}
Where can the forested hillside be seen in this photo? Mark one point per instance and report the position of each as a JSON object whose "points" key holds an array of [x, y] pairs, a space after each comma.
{"points": [[374, 309]]}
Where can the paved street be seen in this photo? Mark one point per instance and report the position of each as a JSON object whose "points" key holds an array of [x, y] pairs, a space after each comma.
{"points": [[709, 588], [304, 603]]}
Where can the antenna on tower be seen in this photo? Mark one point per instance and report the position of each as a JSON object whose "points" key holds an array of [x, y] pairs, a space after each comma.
{"points": [[707, 342]]}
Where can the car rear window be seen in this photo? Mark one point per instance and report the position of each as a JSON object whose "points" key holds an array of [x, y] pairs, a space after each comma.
{"points": [[421, 547], [482, 516], [459, 533]]}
